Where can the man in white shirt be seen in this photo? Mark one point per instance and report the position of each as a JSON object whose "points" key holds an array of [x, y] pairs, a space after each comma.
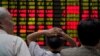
{"points": [[54, 41], [10, 45]]}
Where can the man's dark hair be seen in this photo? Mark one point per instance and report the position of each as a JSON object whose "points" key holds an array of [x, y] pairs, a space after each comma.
{"points": [[55, 42], [89, 32]]}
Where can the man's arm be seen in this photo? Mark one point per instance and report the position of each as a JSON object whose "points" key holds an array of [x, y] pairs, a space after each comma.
{"points": [[35, 35], [70, 40]]}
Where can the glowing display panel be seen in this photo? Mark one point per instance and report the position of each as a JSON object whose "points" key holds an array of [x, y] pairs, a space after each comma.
{"points": [[36, 15]]}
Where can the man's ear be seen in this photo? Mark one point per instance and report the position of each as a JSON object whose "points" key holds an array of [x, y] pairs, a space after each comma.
{"points": [[1, 26], [1, 22]]}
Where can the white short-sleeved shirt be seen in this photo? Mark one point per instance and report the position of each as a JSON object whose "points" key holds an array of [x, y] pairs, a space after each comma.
{"points": [[12, 45], [35, 50]]}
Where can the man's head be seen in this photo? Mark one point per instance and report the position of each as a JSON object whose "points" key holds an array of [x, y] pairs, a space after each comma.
{"points": [[89, 32], [5, 21], [54, 42]]}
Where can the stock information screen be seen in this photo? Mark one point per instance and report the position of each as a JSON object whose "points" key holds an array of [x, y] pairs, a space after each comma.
{"points": [[36, 15]]}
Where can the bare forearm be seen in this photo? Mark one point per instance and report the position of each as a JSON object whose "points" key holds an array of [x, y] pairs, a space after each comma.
{"points": [[70, 40], [34, 36]]}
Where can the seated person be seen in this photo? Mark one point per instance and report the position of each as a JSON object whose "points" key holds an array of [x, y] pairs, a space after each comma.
{"points": [[55, 39]]}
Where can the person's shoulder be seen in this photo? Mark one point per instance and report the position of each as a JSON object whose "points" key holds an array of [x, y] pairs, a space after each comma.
{"points": [[77, 52], [32, 43], [69, 50], [12, 35], [15, 38], [49, 53]]}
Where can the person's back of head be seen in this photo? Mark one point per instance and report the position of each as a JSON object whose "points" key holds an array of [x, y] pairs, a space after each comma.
{"points": [[5, 20], [89, 32], [55, 42], [3, 13]]}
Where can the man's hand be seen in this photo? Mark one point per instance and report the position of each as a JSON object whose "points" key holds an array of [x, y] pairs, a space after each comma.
{"points": [[50, 32], [59, 31]]}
